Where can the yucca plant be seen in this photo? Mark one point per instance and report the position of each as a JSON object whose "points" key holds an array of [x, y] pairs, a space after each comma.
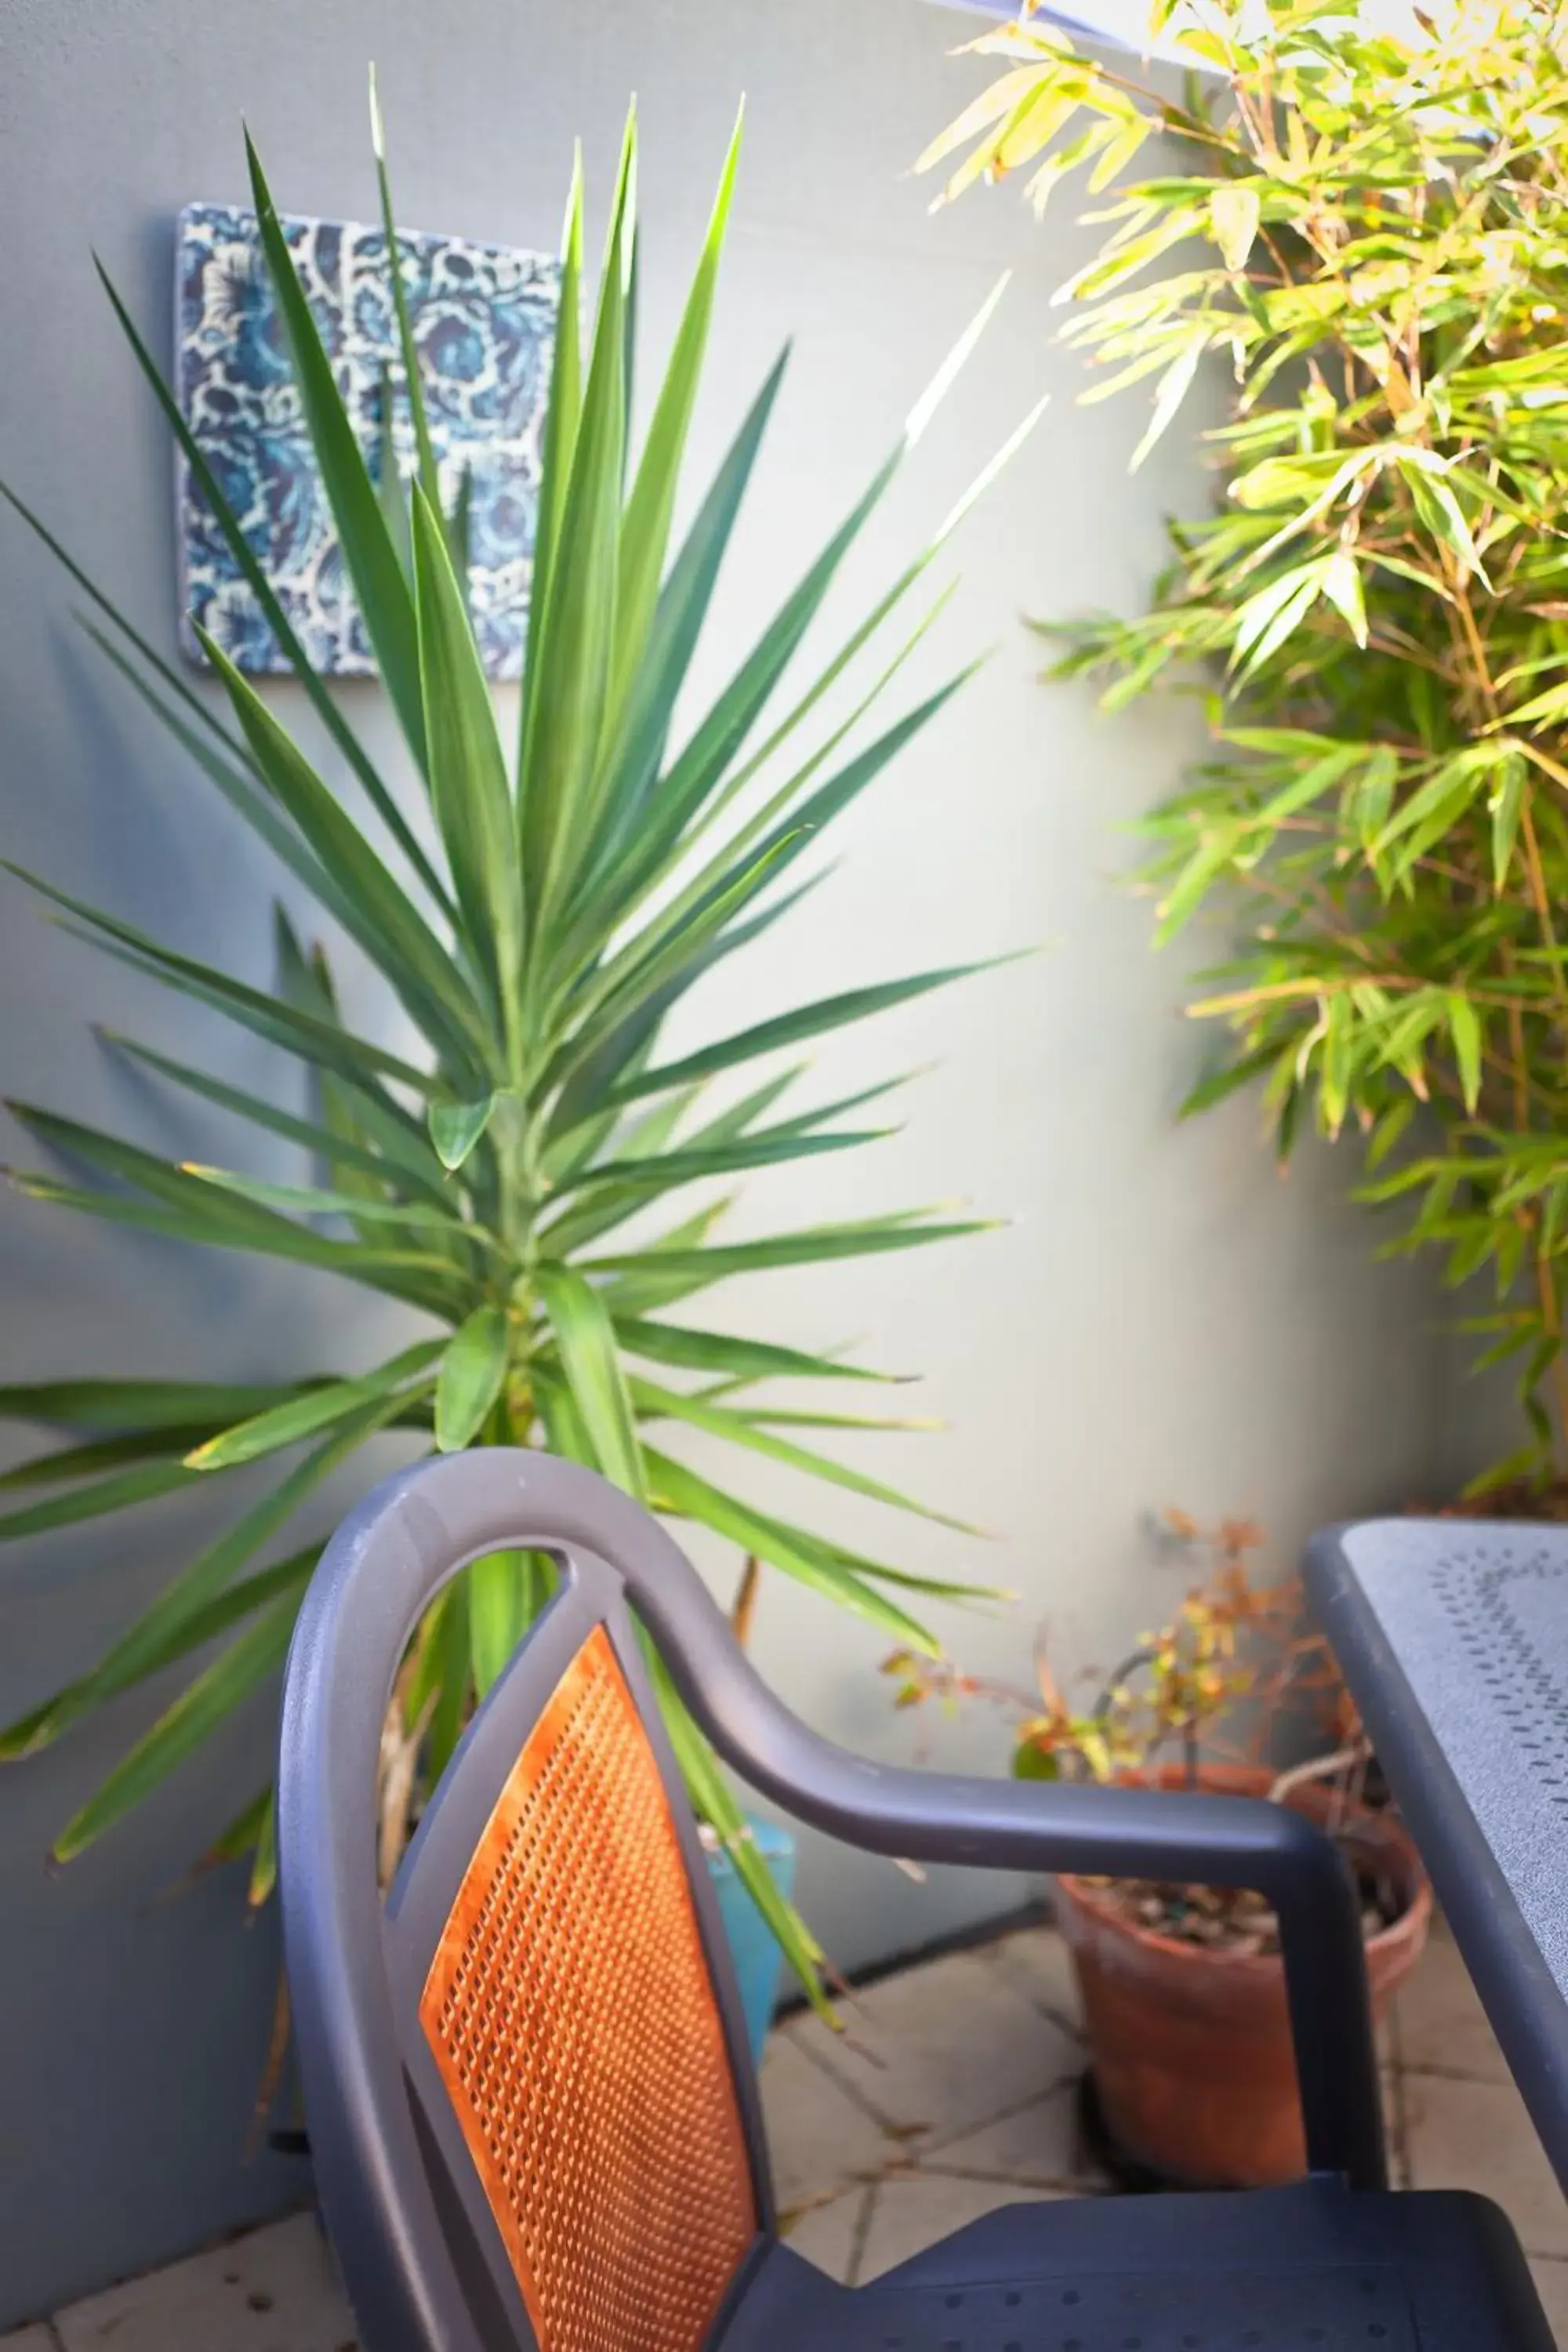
{"points": [[1368, 231], [536, 914]]}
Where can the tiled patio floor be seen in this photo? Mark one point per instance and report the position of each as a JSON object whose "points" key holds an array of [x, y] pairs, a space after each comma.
{"points": [[953, 2093]]}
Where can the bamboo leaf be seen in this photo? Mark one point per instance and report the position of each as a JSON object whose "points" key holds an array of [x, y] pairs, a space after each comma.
{"points": [[1507, 805], [1440, 511], [1267, 618], [1172, 390], [1342, 588], [1234, 213], [1223, 1083], [1464, 1027], [981, 113]]}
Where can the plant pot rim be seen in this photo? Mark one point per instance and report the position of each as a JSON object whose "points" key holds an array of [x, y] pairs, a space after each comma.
{"points": [[1239, 1780]]}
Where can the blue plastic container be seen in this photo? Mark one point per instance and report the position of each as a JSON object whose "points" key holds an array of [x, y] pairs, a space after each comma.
{"points": [[759, 1963]]}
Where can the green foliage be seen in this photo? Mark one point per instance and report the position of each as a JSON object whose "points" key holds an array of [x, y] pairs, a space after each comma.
{"points": [[1372, 235], [515, 1177]]}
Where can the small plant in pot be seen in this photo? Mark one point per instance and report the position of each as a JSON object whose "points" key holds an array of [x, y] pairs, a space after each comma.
{"points": [[1192, 2079]]}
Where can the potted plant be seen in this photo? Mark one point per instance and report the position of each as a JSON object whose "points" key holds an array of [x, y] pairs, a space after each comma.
{"points": [[504, 1144], [1358, 232], [1191, 2078]]}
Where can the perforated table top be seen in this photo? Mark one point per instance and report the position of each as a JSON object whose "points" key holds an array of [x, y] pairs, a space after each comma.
{"points": [[1453, 1636]]}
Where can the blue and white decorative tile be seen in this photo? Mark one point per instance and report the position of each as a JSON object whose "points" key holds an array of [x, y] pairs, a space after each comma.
{"points": [[484, 321]]}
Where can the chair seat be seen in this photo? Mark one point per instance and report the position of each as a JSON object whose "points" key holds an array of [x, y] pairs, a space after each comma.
{"points": [[1311, 2268]]}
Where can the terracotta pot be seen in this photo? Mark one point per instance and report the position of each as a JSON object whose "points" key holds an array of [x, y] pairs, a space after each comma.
{"points": [[1190, 2046]]}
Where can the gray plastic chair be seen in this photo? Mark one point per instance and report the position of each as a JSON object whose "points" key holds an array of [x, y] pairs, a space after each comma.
{"points": [[532, 2114]]}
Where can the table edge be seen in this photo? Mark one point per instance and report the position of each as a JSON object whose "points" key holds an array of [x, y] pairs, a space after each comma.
{"points": [[1525, 2005]]}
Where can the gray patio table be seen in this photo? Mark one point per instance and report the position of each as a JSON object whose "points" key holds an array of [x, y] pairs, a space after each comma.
{"points": [[1453, 1637]]}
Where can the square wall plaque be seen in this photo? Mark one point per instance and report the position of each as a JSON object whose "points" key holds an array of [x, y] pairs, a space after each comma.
{"points": [[484, 321]]}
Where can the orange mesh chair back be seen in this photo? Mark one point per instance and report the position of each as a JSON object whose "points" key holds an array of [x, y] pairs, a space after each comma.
{"points": [[571, 2018], [564, 2086]]}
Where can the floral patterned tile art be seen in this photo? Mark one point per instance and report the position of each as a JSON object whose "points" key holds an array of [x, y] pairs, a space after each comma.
{"points": [[484, 320]]}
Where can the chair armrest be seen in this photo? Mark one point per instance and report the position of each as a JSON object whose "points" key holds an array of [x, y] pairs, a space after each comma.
{"points": [[1051, 1826]]}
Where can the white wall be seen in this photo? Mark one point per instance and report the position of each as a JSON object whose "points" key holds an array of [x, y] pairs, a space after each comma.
{"points": [[1162, 1321]]}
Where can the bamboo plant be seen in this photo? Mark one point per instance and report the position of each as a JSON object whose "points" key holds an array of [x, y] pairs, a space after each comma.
{"points": [[1367, 237], [536, 910]]}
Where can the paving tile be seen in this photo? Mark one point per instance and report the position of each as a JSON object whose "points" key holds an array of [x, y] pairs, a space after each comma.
{"points": [[820, 2138], [1036, 1962], [35, 2338], [1037, 2145], [1551, 2286], [939, 2049], [273, 2291], [1463, 2134], [1442, 2026], [828, 2234], [912, 2210]]}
